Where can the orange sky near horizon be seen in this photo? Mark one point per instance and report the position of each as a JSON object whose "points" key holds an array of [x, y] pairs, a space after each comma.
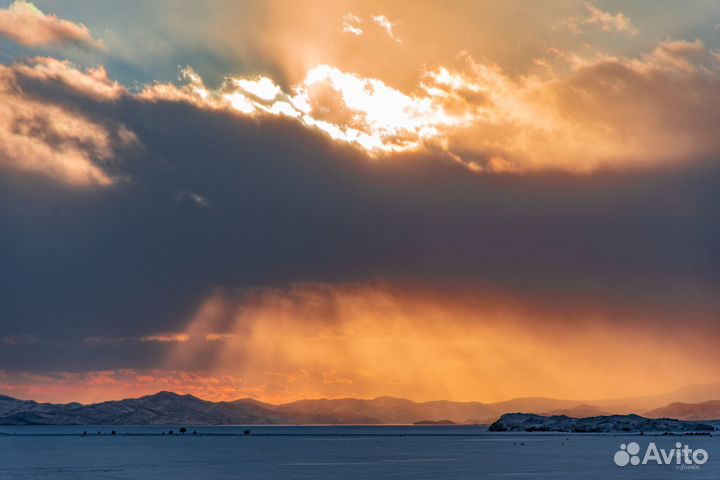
{"points": [[369, 340]]}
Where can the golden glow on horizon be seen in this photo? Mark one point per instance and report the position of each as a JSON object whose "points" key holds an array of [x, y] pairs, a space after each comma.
{"points": [[372, 340], [364, 341]]}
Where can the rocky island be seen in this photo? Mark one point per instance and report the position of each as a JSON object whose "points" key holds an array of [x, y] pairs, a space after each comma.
{"points": [[526, 422]]}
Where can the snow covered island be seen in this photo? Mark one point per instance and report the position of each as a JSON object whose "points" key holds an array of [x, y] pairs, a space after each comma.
{"points": [[526, 422]]}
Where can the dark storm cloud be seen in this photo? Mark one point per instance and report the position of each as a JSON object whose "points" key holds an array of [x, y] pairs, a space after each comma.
{"points": [[281, 204]]}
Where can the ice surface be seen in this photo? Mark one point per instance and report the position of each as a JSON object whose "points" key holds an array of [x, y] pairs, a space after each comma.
{"points": [[329, 453]]}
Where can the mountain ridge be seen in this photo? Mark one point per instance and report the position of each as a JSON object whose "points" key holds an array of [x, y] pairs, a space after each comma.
{"points": [[167, 407], [688, 411]]}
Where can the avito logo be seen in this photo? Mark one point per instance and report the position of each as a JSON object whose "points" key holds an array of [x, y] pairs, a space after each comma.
{"points": [[682, 456]]}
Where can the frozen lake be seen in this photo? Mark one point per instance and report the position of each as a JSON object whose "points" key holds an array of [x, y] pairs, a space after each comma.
{"points": [[433, 452]]}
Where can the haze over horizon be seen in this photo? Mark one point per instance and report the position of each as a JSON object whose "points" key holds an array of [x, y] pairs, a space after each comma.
{"points": [[337, 199], [688, 394]]}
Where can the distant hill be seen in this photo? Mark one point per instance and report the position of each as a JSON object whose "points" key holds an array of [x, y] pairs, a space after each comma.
{"points": [[167, 408], [525, 422], [161, 408], [171, 408], [435, 422], [688, 411], [391, 410], [687, 394]]}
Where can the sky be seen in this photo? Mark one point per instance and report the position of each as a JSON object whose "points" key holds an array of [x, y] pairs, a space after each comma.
{"points": [[285, 200]]}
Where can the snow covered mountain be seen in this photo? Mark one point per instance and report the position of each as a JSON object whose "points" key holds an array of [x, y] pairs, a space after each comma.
{"points": [[171, 408]]}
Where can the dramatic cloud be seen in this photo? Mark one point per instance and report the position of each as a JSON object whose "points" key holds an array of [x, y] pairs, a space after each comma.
{"points": [[92, 83], [494, 268], [42, 136], [604, 21], [626, 109], [351, 215], [488, 120], [23, 23], [363, 112]]}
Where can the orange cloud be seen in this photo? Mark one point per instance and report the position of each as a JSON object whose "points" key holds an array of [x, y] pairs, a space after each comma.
{"points": [[579, 115], [605, 21], [351, 24], [93, 83], [572, 113], [166, 337], [24, 23], [39, 136], [389, 27]]}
